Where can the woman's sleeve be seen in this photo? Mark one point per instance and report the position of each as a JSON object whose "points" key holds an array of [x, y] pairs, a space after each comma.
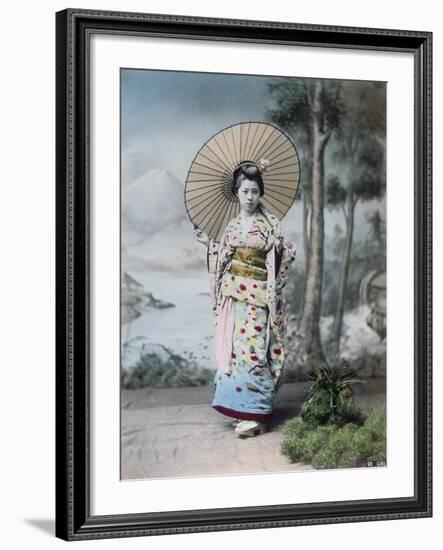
{"points": [[285, 257], [213, 250], [219, 258], [278, 261]]}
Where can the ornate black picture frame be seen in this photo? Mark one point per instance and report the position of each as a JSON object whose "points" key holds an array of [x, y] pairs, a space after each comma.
{"points": [[74, 28]]}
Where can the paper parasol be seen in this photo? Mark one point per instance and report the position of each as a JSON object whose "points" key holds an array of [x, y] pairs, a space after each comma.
{"points": [[209, 195]]}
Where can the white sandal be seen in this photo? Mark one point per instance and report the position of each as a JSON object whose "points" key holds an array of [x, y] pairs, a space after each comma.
{"points": [[250, 428]]}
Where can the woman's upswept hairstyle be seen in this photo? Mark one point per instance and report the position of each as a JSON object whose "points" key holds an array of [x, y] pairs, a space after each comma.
{"points": [[250, 171]]}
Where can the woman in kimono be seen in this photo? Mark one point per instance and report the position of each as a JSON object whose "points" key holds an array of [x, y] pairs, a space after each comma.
{"points": [[248, 268]]}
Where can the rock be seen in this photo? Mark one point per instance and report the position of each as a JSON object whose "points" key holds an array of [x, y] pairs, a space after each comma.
{"points": [[135, 299], [151, 301]]}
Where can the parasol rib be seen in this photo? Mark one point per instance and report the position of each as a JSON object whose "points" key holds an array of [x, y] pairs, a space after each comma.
{"points": [[233, 147], [206, 195], [253, 142], [228, 161], [278, 193], [271, 183], [202, 210], [216, 218], [224, 163], [222, 220], [258, 145], [272, 157], [247, 139], [219, 185], [197, 163], [260, 152], [227, 147], [273, 206]]}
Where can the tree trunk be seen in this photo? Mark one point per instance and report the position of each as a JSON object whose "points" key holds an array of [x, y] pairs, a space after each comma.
{"points": [[305, 247], [305, 228], [335, 334], [310, 318]]}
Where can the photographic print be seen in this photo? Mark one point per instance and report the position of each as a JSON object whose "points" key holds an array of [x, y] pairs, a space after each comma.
{"points": [[230, 212], [253, 274]]}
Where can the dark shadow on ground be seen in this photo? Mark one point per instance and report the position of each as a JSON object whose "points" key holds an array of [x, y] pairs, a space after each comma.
{"points": [[42, 524]]}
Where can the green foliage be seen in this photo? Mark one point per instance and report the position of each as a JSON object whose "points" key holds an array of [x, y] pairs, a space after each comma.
{"points": [[317, 410], [153, 371], [334, 446], [335, 192], [332, 103], [302, 443], [329, 397], [331, 432], [292, 110], [292, 113], [370, 182], [293, 99]]}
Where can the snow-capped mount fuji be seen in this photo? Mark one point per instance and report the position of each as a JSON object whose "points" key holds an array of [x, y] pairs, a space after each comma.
{"points": [[152, 202], [156, 230]]}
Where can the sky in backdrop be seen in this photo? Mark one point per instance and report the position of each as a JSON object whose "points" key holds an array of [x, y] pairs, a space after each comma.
{"points": [[167, 116]]}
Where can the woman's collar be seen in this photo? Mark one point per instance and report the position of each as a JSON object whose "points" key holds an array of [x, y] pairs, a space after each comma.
{"points": [[242, 215]]}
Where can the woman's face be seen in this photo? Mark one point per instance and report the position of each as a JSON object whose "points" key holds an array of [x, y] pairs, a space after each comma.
{"points": [[249, 195]]}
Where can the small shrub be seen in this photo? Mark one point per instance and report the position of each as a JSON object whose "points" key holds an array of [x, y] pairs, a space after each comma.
{"points": [[317, 409], [338, 451], [329, 397], [302, 442], [334, 445], [370, 440]]}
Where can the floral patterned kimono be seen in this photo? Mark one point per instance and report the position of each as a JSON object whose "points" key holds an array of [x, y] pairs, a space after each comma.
{"points": [[249, 268]]}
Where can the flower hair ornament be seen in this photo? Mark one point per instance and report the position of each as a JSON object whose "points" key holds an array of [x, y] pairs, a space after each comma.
{"points": [[263, 165]]}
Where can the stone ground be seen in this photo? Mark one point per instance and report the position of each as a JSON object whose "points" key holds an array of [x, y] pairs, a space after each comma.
{"points": [[174, 432]]}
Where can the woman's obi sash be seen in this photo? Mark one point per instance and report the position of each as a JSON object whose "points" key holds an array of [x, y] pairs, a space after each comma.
{"points": [[249, 262], [246, 278]]}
